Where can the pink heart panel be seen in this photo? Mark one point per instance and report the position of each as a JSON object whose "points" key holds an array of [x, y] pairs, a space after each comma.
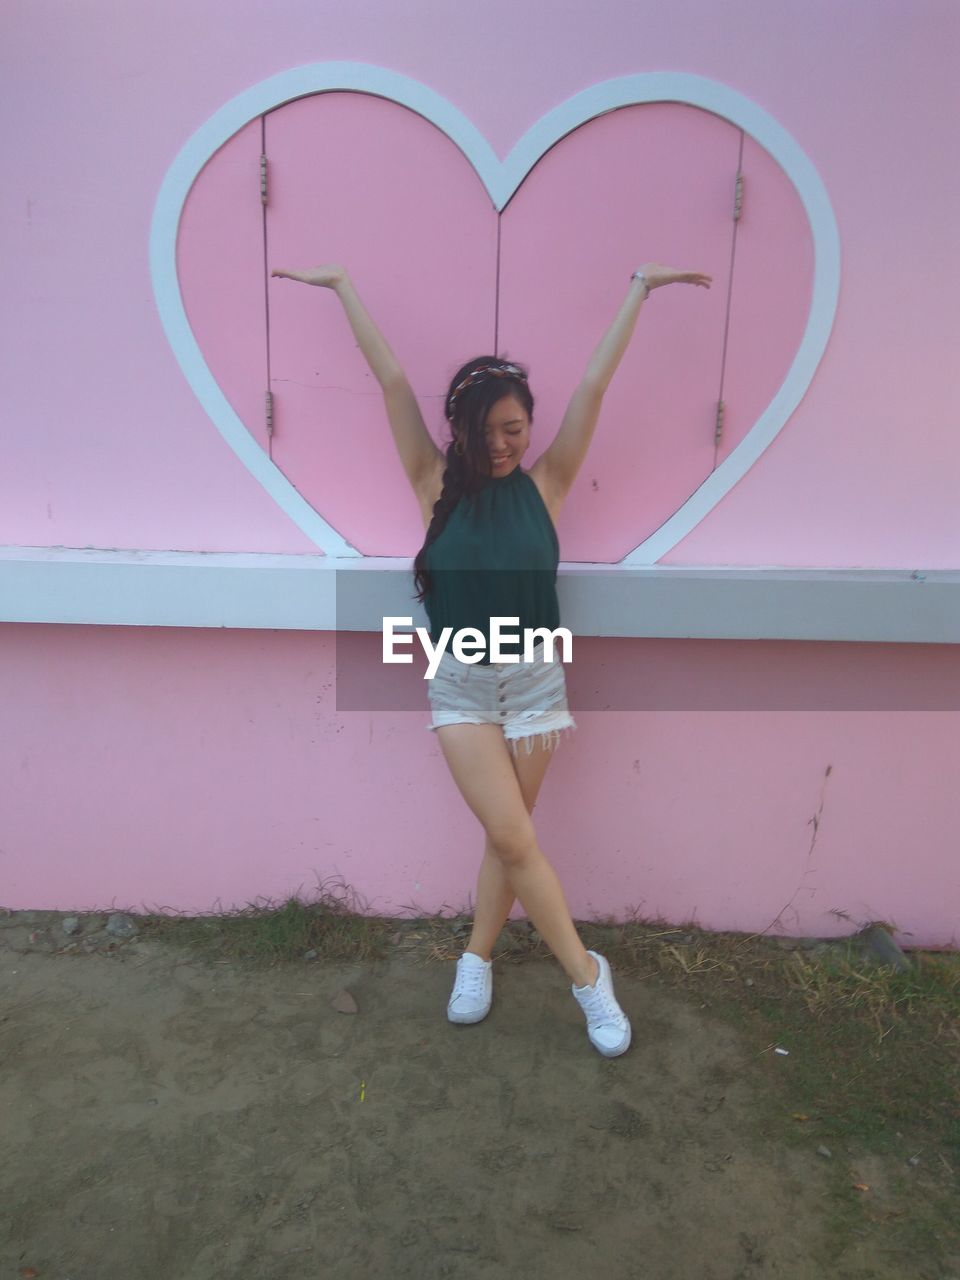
{"points": [[363, 181]]}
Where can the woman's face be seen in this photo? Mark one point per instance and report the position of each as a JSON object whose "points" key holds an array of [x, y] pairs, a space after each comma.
{"points": [[507, 434]]}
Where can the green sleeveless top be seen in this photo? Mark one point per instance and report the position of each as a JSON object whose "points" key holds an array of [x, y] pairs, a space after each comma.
{"points": [[497, 556]]}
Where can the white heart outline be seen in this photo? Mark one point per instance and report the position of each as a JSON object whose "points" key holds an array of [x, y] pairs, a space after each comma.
{"points": [[501, 179]]}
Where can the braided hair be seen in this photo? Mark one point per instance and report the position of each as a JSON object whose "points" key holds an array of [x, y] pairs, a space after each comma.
{"points": [[474, 389]]}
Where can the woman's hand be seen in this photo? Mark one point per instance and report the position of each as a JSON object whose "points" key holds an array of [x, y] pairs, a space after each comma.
{"points": [[329, 276], [657, 275]]}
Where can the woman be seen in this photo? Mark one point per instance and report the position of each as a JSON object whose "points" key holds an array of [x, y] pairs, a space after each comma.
{"points": [[491, 551]]}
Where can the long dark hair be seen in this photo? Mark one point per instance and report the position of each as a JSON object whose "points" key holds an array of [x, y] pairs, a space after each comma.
{"points": [[466, 472]]}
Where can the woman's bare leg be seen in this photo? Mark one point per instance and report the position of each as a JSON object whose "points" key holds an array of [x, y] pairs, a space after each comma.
{"points": [[495, 895], [495, 898], [480, 761]]}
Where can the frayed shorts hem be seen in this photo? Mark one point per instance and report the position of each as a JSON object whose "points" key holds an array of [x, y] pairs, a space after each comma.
{"points": [[550, 736]]}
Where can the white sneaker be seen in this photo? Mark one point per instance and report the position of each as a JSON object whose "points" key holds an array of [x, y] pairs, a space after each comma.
{"points": [[608, 1027], [473, 990]]}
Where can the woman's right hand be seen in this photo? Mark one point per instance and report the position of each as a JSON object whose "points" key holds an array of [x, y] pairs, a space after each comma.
{"points": [[329, 276]]}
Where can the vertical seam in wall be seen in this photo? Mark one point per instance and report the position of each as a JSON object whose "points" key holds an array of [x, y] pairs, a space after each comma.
{"points": [[496, 305], [266, 273]]}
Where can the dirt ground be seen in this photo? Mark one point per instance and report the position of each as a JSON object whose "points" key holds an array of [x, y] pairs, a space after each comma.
{"points": [[168, 1116]]}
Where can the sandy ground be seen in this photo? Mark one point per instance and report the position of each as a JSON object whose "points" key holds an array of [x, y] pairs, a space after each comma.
{"points": [[166, 1116]]}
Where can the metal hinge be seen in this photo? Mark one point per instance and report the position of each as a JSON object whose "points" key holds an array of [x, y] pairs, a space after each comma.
{"points": [[738, 197], [263, 179], [269, 400], [718, 430]]}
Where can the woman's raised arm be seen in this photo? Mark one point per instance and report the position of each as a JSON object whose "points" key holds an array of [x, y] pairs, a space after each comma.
{"points": [[558, 465], [418, 453]]}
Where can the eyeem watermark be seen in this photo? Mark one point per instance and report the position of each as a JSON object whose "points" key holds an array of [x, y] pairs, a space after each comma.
{"points": [[469, 644]]}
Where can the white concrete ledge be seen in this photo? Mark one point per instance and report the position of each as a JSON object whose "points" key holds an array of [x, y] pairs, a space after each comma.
{"points": [[320, 593]]}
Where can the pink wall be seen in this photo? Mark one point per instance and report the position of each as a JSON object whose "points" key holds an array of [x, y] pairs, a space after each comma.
{"points": [[167, 767], [195, 767]]}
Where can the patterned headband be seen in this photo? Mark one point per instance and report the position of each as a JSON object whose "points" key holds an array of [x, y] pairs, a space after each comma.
{"points": [[501, 370]]}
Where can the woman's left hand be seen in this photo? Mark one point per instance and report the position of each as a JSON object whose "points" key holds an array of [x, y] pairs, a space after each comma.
{"points": [[657, 275]]}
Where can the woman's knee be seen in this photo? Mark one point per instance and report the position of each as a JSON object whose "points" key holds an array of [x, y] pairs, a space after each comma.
{"points": [[512, 840]]}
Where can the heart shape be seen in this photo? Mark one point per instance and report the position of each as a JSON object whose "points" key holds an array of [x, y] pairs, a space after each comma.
{"points": [[502, 181]]}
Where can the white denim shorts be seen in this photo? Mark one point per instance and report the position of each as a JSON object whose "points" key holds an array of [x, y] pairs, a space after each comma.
{"points": [[525, 699]]}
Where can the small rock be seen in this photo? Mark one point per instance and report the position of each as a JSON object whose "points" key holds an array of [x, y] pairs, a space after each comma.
{"points": [[914, 1160], [825, 1151], [879, 946], [310, 955], [71, 925], [121, 926], [344, 1002]]}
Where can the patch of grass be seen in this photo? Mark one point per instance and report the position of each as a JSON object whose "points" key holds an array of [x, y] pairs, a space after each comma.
{"points": [[330, 928]]}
